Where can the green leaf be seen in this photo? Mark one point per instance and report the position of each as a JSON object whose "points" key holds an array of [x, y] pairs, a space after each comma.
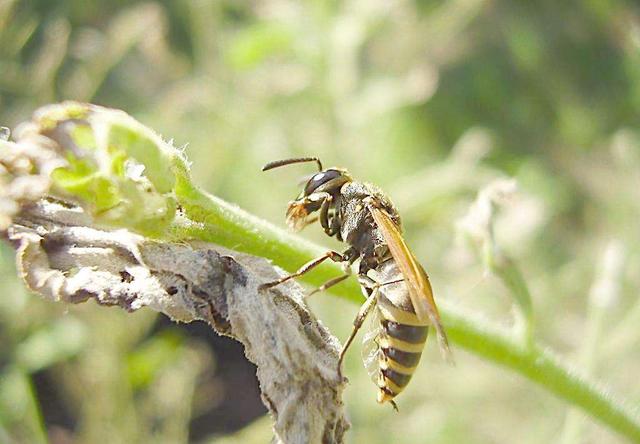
{"points": [[138, 146], [120, 171]]}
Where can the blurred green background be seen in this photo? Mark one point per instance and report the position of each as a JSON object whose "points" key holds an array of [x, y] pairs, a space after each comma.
{"points": [[431, 100]]}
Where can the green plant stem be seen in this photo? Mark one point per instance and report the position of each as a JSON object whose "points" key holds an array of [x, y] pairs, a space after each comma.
{"points": [[214, 220]]}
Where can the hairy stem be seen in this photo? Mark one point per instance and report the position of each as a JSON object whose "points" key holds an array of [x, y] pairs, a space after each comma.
{"points": [[220, 222]]}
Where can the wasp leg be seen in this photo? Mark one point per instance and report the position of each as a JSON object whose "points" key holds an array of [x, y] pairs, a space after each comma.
{"points": [[333, 255], [311, 220], [329, 228], [390, 282], [348, 258], [357, 323], [330, 283]]}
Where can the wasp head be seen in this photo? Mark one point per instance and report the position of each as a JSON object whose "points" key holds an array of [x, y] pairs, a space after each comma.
{"points": [[323, 185]]}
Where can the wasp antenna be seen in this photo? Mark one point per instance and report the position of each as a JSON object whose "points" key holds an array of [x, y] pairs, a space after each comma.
{"points": [[279, 163]]}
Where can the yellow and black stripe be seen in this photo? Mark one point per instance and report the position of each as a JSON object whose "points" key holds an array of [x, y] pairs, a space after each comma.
{"points": [[401, 339]]}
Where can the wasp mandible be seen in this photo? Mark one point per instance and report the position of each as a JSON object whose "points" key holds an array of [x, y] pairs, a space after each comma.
{"points": [[396, 287]]}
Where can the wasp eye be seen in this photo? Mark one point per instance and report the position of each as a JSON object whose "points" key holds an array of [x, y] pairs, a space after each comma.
{"points": [[320, 179]]}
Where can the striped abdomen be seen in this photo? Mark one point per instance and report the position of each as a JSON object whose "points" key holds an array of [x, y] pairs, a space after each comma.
{"points": [[396, 343]]}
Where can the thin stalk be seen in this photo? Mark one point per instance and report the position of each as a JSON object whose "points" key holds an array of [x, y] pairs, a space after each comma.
{"points": [[214, 220]]}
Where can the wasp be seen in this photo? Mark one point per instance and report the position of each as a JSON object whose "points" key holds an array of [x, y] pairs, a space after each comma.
{"points": [[397, 289]]}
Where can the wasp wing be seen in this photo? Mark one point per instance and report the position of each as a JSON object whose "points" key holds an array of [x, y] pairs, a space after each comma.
{"points": [[370, 346], [417, 280]]}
